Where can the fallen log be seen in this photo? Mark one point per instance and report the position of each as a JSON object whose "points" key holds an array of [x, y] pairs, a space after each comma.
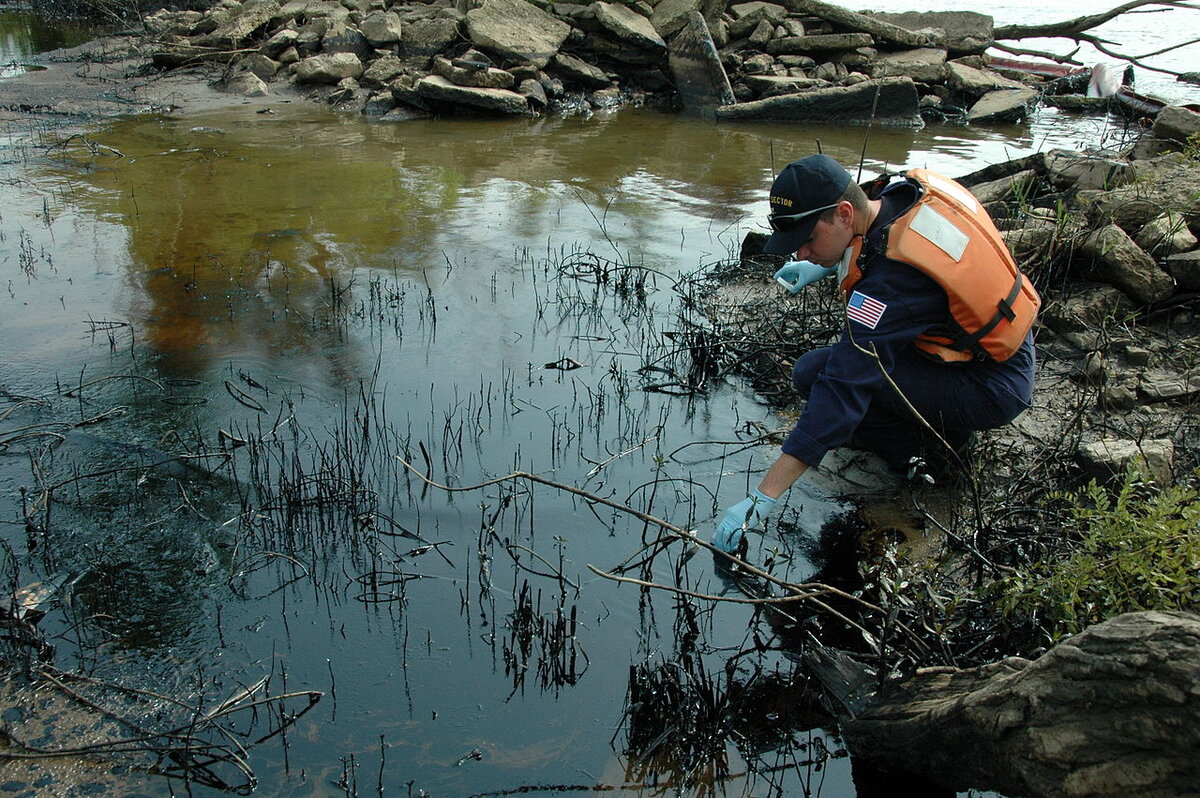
{"points": [[1112, 711]]}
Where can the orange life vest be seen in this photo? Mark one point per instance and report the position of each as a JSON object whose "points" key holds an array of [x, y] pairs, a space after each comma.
{"points": [[949, 236]]}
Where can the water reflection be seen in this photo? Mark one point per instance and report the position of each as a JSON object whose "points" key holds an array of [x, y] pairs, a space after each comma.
{"points": [[23, 34], [237, 220]]}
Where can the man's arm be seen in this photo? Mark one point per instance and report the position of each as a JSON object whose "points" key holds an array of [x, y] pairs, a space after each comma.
{"points": [[781, 475]]}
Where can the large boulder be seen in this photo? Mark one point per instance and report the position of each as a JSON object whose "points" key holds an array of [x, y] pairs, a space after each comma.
{"points": [[499, 102], [1085, 171], [669, 16], [517, 30], [629, 27], [893, 100], [381, 28], [924, 65], [696, 67], [1117, 259], [1113, 711], [329, 68], [974, 82], [962, 31], [1107, 459], [241, 24], [1170, 182], [1185, 268], [1177, 124], [425, 38], [1166, 234], [1004, 105]]}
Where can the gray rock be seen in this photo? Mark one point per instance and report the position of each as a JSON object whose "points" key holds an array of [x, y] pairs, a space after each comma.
{"points": [[973, 82], [425, 38], [773, 85], [962, 31], [758, 11], [763, 32], [517, 30], [1111, 711], [1168, 182], [342, 38], [534, 92], [1004, 105], [379, 104], [696, 68], [382, 71], [261, 66], [576, 70], [1163, 386], [1185, 268], [1081, 170], [1031, 245], [437, 89], [328, 68], [381, 28], [613, 49], [240, 24], [1176, 123], [1085, 307], [924, 65], [830, 72], [277, 44], [1109, 458], [671, 15], [820, 43], [1165, 235], [1120, 398], [1116, 259], [246, 84], [1016, 186], [894, 101], [404, 113], [173, 23], [605, 98], [629, 26], [485, 78]]}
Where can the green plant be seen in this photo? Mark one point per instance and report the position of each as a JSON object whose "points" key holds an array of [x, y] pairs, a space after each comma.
{"points": [[1191, 147], [1135, 547]]}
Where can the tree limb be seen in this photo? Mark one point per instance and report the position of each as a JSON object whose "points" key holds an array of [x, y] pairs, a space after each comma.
{"points": [[1073, 27]]}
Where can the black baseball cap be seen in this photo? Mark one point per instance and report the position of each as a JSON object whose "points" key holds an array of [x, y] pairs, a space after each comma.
{"points": [[800, 194]]}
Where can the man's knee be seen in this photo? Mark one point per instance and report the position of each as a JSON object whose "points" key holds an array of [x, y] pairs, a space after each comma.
{"points": [[807, 368]]}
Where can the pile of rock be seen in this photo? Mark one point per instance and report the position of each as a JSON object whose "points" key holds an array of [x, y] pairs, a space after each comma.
{"points": [[754, 60]]}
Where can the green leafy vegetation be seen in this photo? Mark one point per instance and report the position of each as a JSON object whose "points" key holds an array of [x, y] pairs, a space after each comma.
{"points": [[1137, 548]]}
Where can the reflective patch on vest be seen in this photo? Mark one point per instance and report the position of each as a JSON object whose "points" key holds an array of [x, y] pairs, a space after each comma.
{"points": [[964, 197], [865, 310], [941, 232]]}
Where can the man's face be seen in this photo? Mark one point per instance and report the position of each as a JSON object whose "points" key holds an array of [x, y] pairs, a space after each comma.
{"points": [[829, 238]]}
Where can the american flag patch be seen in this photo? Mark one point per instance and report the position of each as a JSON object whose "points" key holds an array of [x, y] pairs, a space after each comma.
{"points": [[865, 310]]}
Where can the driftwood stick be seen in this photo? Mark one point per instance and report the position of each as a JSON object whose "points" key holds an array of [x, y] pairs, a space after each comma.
{"points": [[1073, 27]]}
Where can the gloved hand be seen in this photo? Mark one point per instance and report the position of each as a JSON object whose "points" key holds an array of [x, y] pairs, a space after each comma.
{"points": [[796, 274], [746, 514]]}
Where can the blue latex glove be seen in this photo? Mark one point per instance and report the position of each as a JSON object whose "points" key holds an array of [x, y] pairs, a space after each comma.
{"points": [[796, 274], [746, 514]]}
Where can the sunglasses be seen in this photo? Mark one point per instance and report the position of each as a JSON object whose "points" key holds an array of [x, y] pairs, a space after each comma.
{"points": [[782, 223]]}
